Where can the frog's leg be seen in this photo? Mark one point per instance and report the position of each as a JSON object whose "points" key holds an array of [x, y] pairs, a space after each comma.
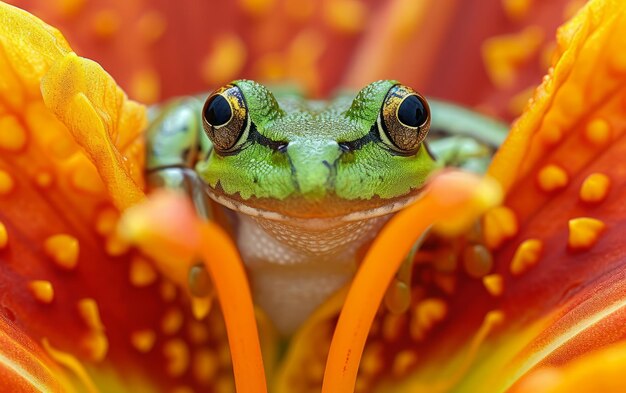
{"points": [[463, 138], [174, 142]]}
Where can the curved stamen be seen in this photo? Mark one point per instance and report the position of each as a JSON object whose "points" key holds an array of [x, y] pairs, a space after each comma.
{"points": [[453, 200], [177, 239]]}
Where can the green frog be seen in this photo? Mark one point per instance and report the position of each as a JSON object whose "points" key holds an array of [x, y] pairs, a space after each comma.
{"points": [[307, 184]]}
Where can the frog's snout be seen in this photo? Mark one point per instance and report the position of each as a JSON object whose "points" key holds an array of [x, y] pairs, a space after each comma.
{"points": [[313, 166]]}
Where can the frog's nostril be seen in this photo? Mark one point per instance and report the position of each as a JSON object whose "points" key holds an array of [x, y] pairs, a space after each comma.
{"points": [[282, 148], [344, 147]]}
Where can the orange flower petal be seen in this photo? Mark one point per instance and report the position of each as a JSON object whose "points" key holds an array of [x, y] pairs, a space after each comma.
{"points": [[24, 367], [598, 371], [585, 78], [66, 275], [97, 112]]}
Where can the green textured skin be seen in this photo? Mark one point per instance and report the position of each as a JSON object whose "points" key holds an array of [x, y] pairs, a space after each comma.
{"points": [[313, 165], [313, 129]]}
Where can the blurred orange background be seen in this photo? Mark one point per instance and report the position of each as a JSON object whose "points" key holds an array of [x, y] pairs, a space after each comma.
{"points": [[486, 54]]}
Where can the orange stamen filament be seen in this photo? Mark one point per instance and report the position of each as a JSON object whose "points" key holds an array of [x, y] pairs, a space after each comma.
{"points": [[150, 226], [453, 197], [222, 261]]}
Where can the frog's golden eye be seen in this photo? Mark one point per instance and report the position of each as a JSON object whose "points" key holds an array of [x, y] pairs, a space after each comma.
{"points": [[404, 119], [225, 118]]}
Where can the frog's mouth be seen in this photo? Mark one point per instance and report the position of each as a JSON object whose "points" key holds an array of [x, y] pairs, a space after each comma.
{"points": [[331, 207]]}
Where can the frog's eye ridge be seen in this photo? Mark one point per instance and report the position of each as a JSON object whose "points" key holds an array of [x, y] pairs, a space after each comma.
{"points": [[225, 119], [404, 120]]}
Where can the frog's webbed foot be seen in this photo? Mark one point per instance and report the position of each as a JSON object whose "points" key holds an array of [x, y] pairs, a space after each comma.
{"points": [[175, 141]]}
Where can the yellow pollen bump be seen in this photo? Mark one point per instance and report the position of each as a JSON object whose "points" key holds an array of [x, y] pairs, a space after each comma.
{"points": [[372, 361], [205, 366], [552, 178], [106, 221], [598, 132], [257, 7], [4, 236], [201, 306], [167, 291], [96, 343], [595, 188], [392, 326], [172, 321], [403, 362], [503, 55], [44, 179], [151, 26], [105, 24], [143, 340], [427, 313], [141, 273], [494, 318], [88, 310], [346, 16], [13, 135], [494, 284], [6, 183], [116, 246], [584, 232], [42, 291], [63, 250], [177, 355], [225, 61], [145, 86], [499, 224], [517, 9], [69, 8], [526, 256]]}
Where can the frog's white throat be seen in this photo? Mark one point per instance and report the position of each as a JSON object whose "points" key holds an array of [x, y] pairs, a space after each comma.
{"points": [[296, 263], [293, 269], [383, 208]]}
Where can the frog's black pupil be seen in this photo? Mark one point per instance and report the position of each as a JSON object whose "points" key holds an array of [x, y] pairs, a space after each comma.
{"points": [[218, 111], [412, 112]]}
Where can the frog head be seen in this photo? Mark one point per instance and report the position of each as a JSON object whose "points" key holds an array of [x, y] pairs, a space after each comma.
{"points": [[286, 157]]}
